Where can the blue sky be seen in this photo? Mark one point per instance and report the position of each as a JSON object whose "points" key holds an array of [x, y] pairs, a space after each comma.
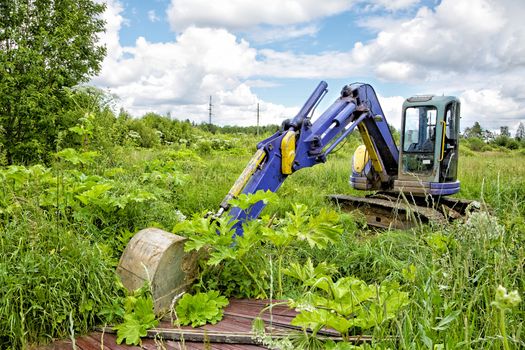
{"points": [[171, 55]]}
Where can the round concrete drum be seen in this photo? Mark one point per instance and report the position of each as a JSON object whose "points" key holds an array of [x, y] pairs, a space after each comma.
{"points": [[157, 256]]}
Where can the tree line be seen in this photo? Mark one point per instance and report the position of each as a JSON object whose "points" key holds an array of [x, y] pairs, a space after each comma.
{"points": [[48, 49], [478, 138]]}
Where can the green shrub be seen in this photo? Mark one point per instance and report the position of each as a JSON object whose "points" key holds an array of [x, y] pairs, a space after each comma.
{"points": [[475, 144], [513, 144], [502, 140], [465, 151], [486, 148]]}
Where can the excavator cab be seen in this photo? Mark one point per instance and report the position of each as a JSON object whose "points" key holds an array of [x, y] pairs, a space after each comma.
{"points": [[428, 154]]}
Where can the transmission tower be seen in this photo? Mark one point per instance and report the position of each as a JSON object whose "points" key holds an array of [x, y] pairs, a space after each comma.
{"points": [[209, 112], [257, 119]]}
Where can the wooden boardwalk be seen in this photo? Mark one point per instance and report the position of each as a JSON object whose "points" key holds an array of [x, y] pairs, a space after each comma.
{"points": [[232, 333]]}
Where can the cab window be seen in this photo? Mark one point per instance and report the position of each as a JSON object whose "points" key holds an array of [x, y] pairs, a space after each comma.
{"points": [[420, 129]]}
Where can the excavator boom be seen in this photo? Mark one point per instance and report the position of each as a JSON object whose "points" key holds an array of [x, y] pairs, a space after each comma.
{"points": [[303, 143]]}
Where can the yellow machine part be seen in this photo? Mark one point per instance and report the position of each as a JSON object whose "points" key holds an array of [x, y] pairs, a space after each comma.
{"points": [[360, 158], [288, 152], [376, 163]]}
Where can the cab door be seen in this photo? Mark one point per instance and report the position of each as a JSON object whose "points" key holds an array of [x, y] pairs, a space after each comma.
{"points": [[449, 143], [419, 142]]}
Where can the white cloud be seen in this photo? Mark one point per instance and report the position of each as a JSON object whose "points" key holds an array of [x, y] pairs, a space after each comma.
{"points": [[114, 21], [459, 36], [324, 65], [241, 14], [380, 23], [490, 108], [392, 107], [178, 77], [275, 34], [152, 16], [199, 63], [396, 70], [473, 48], [389, 5]]}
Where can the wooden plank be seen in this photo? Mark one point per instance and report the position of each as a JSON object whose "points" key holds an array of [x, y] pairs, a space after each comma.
{"points": [[203, 335], [88, 343], [232, 333], [58, 345]]}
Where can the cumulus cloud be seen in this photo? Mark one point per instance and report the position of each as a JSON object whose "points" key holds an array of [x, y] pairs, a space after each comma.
{"points": [[152, 16], [459, 36], [179, 76], [475, 49], [275, 34], [390, 5], [392, 106], [200, 62], [241, 14], [285, 64], [501, 110], [114, 21]]}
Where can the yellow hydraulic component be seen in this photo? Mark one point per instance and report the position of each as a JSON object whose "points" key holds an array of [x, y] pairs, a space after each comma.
{"points": [[242, 180], [360, 158], [288, 152], [443, 140], [370, 147]]}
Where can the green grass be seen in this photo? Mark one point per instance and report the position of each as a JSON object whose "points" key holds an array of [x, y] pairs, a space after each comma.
{"points": [[56, 261], [53, 281]]}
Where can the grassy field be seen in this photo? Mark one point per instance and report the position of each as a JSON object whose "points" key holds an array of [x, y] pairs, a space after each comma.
{"points": [[85, 207]]}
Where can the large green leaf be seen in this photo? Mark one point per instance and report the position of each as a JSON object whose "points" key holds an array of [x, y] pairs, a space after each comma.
{"points": [[201, 308]]}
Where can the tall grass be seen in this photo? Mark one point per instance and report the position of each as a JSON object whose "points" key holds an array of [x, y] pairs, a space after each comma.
{"points": [[52, 280], [452, 272], [57, 260]]}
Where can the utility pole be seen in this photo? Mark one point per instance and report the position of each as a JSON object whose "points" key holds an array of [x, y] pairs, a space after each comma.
{"points": [[257, 119], [209, 112]]}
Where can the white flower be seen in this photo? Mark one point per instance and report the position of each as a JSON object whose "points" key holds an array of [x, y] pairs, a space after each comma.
{"points": [[506, 300]]}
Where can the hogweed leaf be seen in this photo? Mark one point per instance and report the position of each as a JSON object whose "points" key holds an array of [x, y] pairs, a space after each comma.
{"points": [[201, 308], [245, 201], [131, 330]]}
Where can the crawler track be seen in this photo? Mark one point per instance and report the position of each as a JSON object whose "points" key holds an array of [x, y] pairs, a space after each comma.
{"points": [[391, 210]]}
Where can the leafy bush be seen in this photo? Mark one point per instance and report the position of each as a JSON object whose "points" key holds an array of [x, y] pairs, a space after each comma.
{"points": [[465, 151], [135, 311], [345, 304], [475, 144], [502, 140], [239, 264], [513, 144], [200, 308]]}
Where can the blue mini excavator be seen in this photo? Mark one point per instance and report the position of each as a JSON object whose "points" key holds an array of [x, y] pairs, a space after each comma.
{"points": [[410, 182]]}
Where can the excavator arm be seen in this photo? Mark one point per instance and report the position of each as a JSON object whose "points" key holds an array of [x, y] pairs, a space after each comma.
{"points": [[302, 143]]}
